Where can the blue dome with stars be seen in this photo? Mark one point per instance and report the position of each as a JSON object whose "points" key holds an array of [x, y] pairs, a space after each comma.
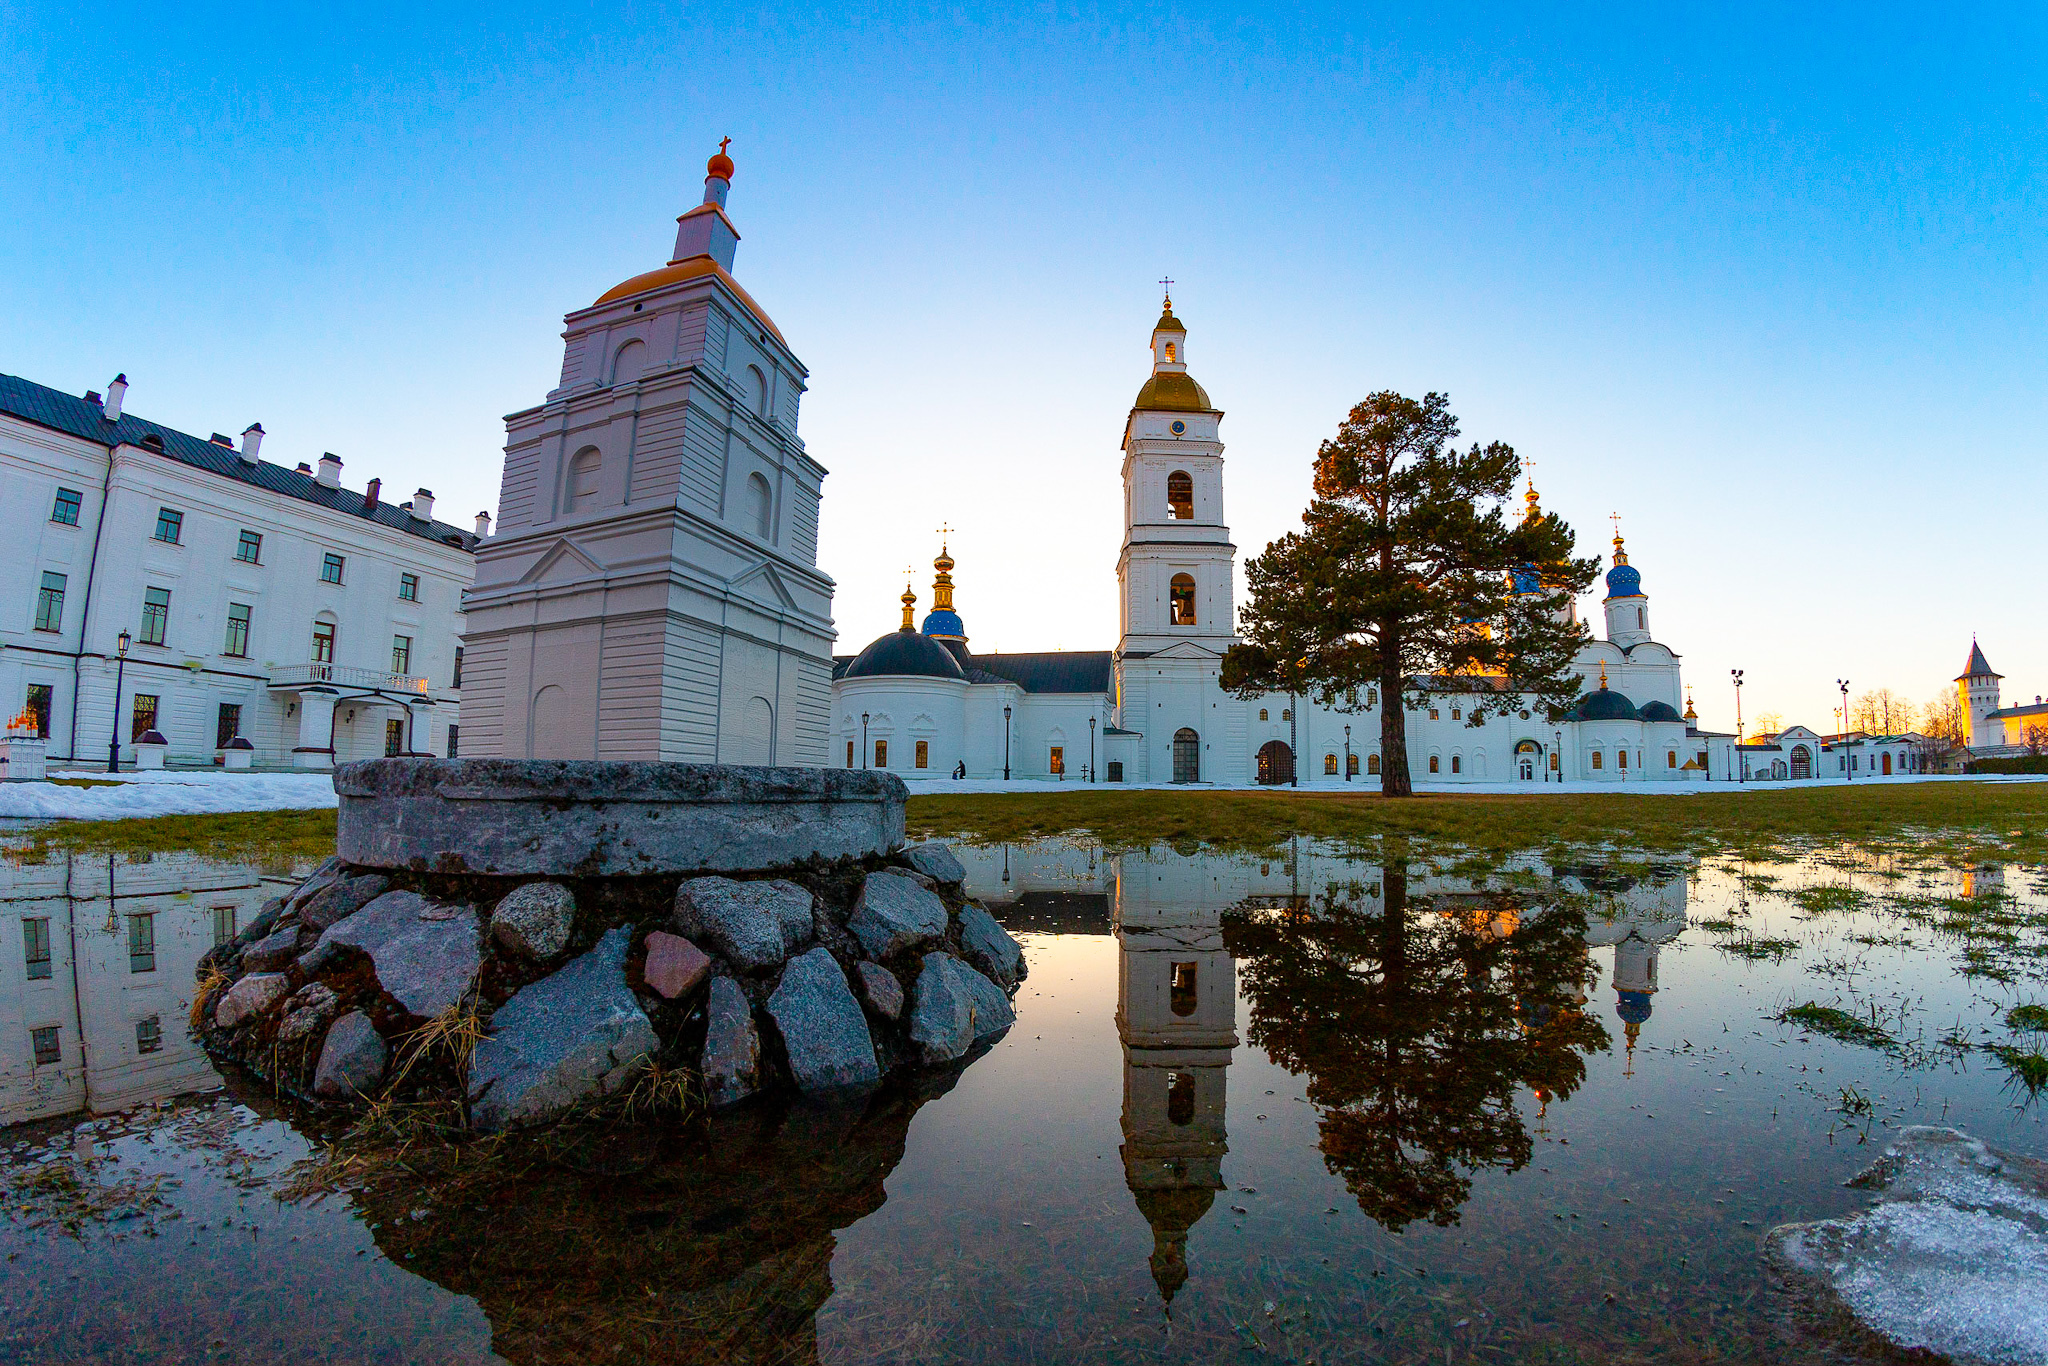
{"points": [[1624, 582], [944, 622], [1633, 1007]]}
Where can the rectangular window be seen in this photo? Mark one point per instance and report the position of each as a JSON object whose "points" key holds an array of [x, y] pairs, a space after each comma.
{"points": [[44, 1041], [156, 615], [323, 642], [169, 525], [401, 654], [1457, 713], [1553, 761], [50, 603], [458, 668], [223, 925], [249, 547], [142, 716], [229, 726], [65, 509], [1432, 713], [1056, 761], [237, 643], [881, 754], [35, 947], [849, 754], [142, 942], [1671, 759], [149, 1036], [408, 588], [924, 753], [454, 737], [1116, 770], [41, 698], [394, 737], [330, 568]]}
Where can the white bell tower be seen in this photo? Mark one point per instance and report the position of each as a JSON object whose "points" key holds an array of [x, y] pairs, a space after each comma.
{"points": [[1174, 576]]}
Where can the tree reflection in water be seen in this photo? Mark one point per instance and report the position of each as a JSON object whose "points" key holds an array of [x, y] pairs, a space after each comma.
{"points": [[1416, 1025]]}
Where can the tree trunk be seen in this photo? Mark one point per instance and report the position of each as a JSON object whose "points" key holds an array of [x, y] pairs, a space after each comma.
{"points": [[1393, 740]]}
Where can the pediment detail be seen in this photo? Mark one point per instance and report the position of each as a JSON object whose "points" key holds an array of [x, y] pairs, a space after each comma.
{"points": [[764, 572], [562, 560]]}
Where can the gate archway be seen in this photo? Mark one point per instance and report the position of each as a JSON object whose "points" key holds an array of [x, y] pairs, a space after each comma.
{"points": [[1276, 763], [1802, 762]]}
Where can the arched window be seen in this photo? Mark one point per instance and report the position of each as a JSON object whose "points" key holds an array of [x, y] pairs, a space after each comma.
{"points": [[1372, 764], [757, 389], [1262, 713], [760, 504], [629, 362], [1596, 758], [1180, 1097], [1180, 497], [1330, 765], [1639, 619], [585, 468], [1434, 766], [1182, 998], [1182, 596], [1621, 758], [1457, 763], [1187, 756], [1171, 352]]}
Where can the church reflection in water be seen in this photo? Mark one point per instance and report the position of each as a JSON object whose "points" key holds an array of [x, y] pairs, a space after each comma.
{"points": [[1434, 1019]]}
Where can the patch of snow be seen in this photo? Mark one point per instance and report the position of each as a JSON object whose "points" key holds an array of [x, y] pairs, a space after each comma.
{"points": [[1953, 1258], [166, 793]]}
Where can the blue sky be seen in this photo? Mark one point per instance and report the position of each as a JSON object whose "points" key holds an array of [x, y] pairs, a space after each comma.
{"points": [[1768, 287]]}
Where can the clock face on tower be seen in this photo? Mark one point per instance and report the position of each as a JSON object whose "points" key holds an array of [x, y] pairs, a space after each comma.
{"points": [[1179, 428]]}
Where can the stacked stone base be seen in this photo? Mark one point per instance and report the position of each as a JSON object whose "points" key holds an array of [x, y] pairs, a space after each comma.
{"points": [[528, 996]]}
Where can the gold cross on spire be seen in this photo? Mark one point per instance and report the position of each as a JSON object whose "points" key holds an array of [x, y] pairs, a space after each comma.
{"points": [[945, 530], [724, 143], [1166, 283]]}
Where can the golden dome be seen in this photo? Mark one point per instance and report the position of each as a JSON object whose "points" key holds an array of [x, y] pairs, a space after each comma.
{"points": [[674, 273], [720, 164], [1172, 391], [1167, 322]]}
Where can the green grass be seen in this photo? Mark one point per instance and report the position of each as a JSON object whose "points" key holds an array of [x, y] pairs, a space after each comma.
{"points": [[2032, 1018], [2029, 1068], [1837, 1024], [269, 839], [1956, 823]]}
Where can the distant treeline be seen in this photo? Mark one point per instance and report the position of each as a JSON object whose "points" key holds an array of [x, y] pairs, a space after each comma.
{"points": [[2019, 763]]}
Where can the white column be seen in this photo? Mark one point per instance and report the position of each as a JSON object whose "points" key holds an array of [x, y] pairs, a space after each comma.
{"points": [[316, 730], [419, 735]]}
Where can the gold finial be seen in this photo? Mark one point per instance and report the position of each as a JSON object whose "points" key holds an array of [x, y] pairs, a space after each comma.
{"points": [[1690, 714], [1620, 555], [942, 582], [909, 600], [1603, 674], [1166, 283]]}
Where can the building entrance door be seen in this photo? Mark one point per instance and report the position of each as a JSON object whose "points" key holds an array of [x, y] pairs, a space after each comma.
{"points": [[1276, 763], [1187, 756]]}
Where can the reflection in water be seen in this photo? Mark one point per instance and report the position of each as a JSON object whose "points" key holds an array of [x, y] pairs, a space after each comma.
{"points": [[99, 953]]}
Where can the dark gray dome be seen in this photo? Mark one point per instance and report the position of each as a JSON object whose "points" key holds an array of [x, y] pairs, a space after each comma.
{"points": [[1660, 711], [1605, 705], [905, 653]]}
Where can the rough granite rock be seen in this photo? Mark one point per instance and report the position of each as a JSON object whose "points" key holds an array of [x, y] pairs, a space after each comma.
{"points": [[342, 899], [535, 921], [936, 861], [253, 995], [732, 1046], [310, 1007], [264, 923], [317, 881], [576, 1033], [893, 915], [823, 1029], [989, 947], [880, 989], [953, 1009], [1952, 1258], [592, 818], [352, 1060], [753, 925], [674, 966], [273, 951], [425, 954]]}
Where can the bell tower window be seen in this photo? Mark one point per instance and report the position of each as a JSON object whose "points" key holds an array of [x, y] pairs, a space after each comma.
{"points": [[1183, 599], [1180, 497], [583, 476], [1172, 352]]}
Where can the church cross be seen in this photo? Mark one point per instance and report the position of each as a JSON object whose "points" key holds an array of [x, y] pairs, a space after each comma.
{"points": [[1167, 284], [1615, 518], [724, 143], [944, 531]]}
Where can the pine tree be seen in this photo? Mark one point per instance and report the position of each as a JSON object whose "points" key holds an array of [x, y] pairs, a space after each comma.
{"points": [[1408, 579]]}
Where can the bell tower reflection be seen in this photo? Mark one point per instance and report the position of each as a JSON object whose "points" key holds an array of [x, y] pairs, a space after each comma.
{"points": [[1176, 1015]]}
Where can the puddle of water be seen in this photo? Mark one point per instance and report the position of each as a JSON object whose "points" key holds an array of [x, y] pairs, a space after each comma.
{"points": [[1305, 1108]]}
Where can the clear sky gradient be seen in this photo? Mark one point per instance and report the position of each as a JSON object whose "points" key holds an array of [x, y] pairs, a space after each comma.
{"points": [[1768, 287]]}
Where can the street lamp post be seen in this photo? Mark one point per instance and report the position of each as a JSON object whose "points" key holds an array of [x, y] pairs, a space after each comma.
{"points": [[1848, 756], [1347, 755], [1006, 744], [1091, 749], [1293, 743], [1741, 768], [863, 739], [1557, 754], [121, 643]]}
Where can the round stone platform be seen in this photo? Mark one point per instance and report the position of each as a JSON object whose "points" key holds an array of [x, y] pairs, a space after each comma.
{"points": [[580, 818]]}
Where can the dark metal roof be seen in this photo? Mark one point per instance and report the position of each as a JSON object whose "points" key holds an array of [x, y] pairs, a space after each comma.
{"points": [[900, 653], [68, 413], [1978, 667], [1055, 671]]}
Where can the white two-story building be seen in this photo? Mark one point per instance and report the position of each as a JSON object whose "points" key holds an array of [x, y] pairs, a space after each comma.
{"points": [[155, 583]]}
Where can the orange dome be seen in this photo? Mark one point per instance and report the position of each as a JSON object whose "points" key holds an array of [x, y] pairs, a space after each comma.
{"points": [[675, 272], [720, 164]]}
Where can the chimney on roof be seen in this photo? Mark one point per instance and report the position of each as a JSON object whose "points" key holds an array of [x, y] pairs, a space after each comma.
{"points": [[117, 392], [304, 468], [483, 526], [330, 471], [252, 441], [370, 496], [423, 505], [222, 439]]}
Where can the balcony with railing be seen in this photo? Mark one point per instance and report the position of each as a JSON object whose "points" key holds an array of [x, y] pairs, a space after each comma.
{"points": [[345, 676]]}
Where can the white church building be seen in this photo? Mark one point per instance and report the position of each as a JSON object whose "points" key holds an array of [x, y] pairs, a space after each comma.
{"points": [[918, 702]]}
